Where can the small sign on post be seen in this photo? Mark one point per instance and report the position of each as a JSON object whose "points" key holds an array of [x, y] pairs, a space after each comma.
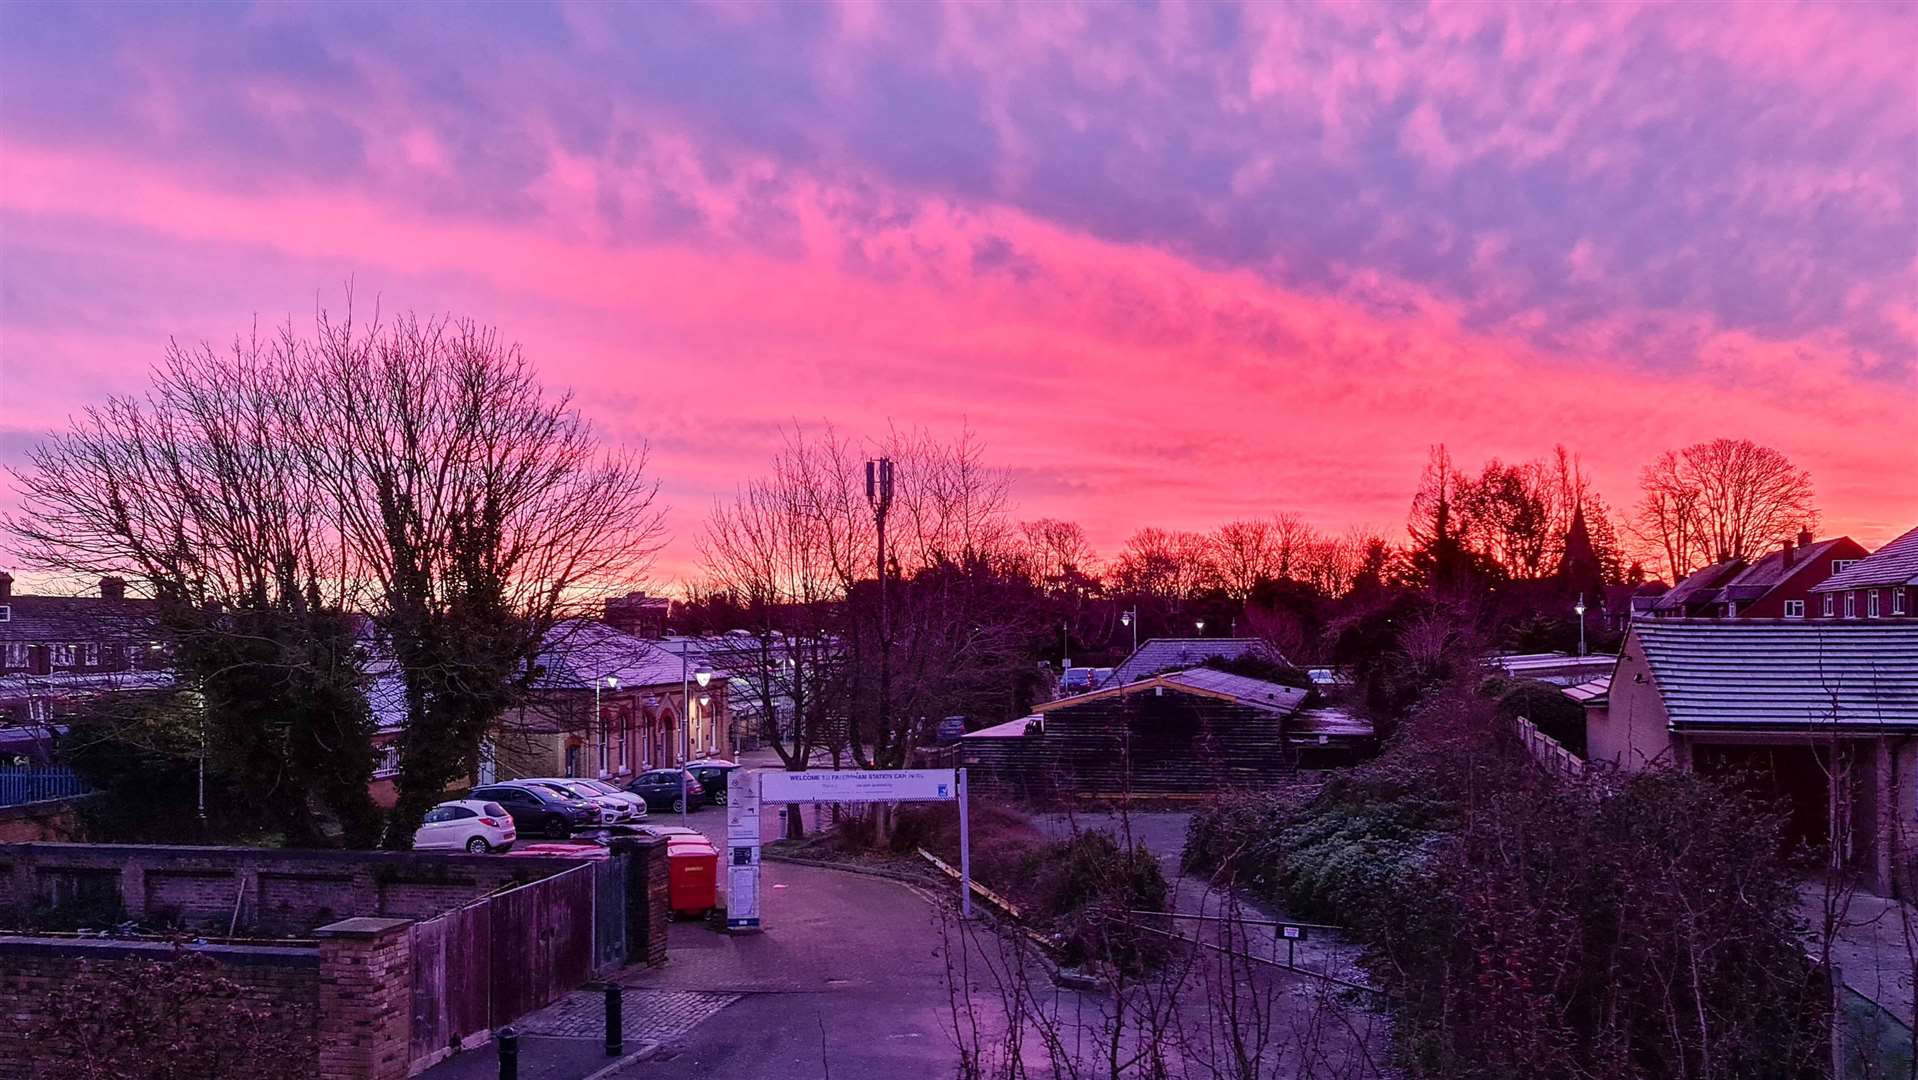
{"points": [[1292, 936]]}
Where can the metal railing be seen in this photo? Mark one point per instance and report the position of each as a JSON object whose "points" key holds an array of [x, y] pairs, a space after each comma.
{"points": [[22, 784]]}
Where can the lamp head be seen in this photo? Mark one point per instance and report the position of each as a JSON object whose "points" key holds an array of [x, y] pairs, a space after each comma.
{"points": [[612, 682], [703, 676], [1125, 618], [705, 700]]}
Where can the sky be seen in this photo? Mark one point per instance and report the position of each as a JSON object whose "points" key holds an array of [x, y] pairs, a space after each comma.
{"points": [[1174, 264]]}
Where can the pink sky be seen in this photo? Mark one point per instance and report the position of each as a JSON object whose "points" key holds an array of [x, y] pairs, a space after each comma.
{"points": [[1175, 264]]}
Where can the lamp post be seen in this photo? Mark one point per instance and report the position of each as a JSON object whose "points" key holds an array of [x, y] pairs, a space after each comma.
{"points": [[610, 682], [1580, 608], [1199, 625], [704, 676], [1130, 617]]}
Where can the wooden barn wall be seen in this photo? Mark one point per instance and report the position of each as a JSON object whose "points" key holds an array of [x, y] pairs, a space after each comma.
{"points": [[1144, 744]]}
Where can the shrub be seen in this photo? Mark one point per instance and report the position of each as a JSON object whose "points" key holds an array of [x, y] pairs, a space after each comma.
{"points": [[1544, 705], [1524, 928]]}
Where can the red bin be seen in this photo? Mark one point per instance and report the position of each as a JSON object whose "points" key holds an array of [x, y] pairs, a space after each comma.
{"points": [[692, 878]]}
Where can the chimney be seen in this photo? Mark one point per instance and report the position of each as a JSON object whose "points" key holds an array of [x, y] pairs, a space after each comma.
{"points": [[1804, 538], [113, 588], [6, 585], [1786, 547]]}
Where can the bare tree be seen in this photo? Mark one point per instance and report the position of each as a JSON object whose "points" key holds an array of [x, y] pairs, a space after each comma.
{"points": [[1056, 554], [1245, 553], [478, 511], [1723, 499], [197, 493]]}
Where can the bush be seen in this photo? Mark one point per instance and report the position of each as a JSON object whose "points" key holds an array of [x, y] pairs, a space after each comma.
{"points": [[1525, 928]]}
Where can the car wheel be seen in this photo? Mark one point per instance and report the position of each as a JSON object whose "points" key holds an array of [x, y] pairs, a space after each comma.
{"points": [[719, 799], [679, 806], [478, 846]]}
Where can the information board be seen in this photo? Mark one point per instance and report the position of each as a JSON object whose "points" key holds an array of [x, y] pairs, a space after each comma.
{"points": [[860, 785]]}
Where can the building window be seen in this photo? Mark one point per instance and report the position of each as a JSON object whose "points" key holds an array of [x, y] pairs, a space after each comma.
{"points": [[38, 711], [16, 654], [63, 655], [1830, 599], [1840, 564], [1851, 605], [1871, 604], [388, 762], [6, 612], [1897, 601], [1794, 609], [91, 650]]}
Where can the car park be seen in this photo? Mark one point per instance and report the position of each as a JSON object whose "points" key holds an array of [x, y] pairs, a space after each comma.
{"points": [[661, 789], [539, 811], [477, 826]]}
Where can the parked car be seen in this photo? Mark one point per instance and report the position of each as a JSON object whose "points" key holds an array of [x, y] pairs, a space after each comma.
{"points": [[540, 811], [950, 730], [611, 811], [660, 788], [1075, 680], [477, 825], [714, 775], [614, 791]]}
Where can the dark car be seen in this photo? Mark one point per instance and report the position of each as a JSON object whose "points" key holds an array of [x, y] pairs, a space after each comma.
{"points": [[660, 789], [713, 774], [540, 811]]}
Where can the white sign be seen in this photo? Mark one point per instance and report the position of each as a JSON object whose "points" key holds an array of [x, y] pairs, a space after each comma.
{"points": [[742, 809], [860, 785]]}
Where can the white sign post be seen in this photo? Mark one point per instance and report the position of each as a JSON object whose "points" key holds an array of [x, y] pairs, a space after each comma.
{"points": [[742, 857], [835, 786]]}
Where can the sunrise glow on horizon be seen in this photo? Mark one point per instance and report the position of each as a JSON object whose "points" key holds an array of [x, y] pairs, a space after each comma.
{"points": [[1174, 264]]}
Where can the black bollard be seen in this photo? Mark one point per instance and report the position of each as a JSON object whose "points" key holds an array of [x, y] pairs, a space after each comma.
{"points": [[508, 1041], [615, 1022]]}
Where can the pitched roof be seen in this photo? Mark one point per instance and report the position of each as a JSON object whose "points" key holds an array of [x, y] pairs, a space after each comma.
{"points": [[1761, 577], [1162, 654], [1205, 682], [1784, 672], [1699, 587], [50, 619], [580, 652], [1894, 564]]}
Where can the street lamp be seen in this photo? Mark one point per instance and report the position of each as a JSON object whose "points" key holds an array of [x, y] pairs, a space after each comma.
{"points": [[1131, 618], [686, 722], [1580, 608], [1199, 624], [599, 717]]}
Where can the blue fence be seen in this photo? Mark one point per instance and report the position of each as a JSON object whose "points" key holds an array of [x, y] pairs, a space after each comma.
{"points": [[38, 783]]}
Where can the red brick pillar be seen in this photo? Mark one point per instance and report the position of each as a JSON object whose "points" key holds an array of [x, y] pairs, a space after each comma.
{"points": [[366, 999], [647, 903]]}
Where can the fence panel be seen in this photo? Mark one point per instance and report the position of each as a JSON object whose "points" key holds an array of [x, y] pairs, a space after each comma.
{"points": [[21, 784], [609, 914], [542, 942]]}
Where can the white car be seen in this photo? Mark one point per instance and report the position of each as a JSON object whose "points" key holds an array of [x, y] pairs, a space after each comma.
{"points": [[612, 811], [478, 827], [611, 791]]}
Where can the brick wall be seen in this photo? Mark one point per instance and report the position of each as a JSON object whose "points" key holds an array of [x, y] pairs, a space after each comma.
{"points": [[273, 892], [279, 985], [365, 996]]}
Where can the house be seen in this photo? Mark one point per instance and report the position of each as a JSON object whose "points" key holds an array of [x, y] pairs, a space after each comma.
{"points": [[1167, 654], [1823, 711], [1883, 585], [643, 695], [1776, 585], [638, 614], [1626, 601], [1178, 733], [58, 650]]}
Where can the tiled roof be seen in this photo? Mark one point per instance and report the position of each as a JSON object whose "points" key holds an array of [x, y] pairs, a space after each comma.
{"points": [[581, 652], [1240, 689], [1761, 577], [1699, 587], [1784, 672], [1164, 654], [74, 618], [1587, 693], [1894, 564]]}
